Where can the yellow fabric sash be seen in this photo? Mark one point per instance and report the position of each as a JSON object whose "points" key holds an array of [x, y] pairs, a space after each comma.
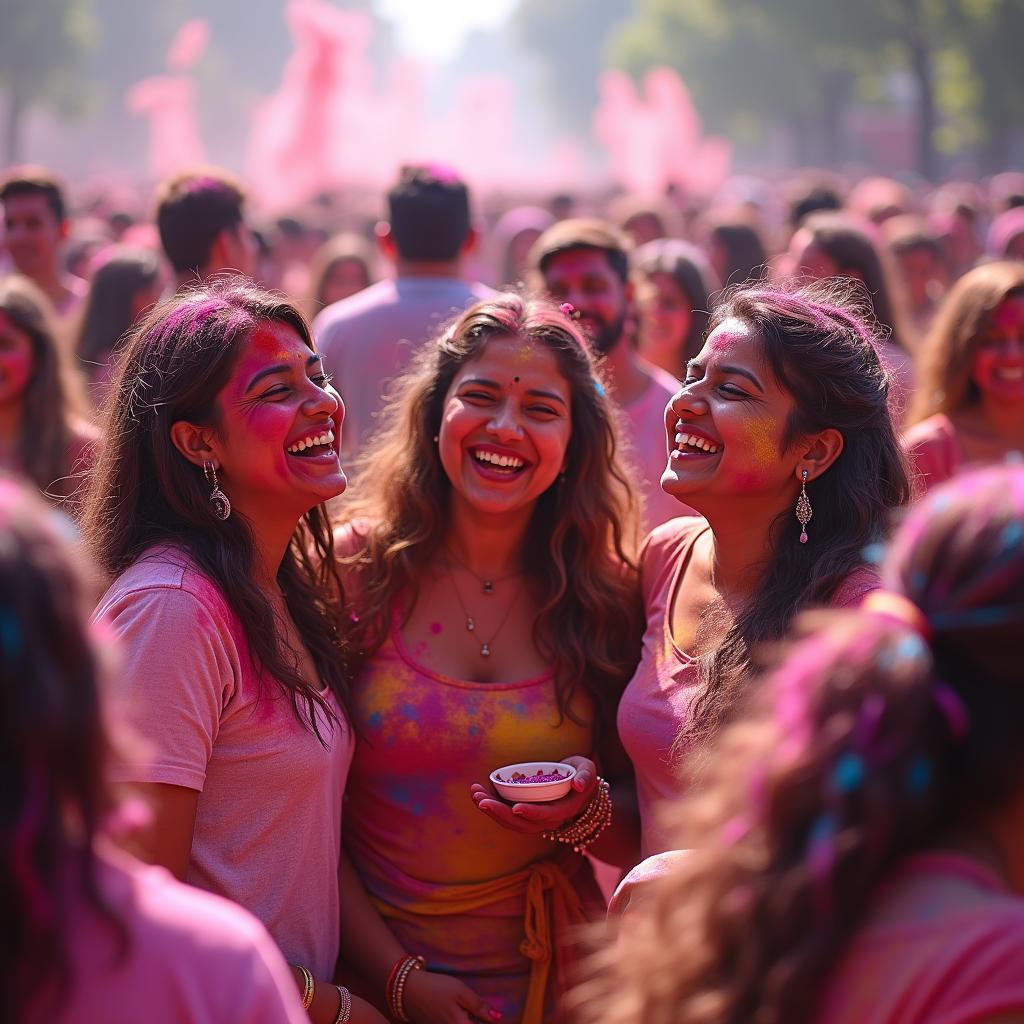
{"points": [[552, 906]]}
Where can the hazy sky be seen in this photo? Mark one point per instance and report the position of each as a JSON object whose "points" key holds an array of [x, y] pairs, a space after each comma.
{"points": [[433, 29]]}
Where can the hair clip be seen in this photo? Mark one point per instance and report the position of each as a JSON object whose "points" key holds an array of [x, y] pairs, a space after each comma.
{"points": [[569, 310]]}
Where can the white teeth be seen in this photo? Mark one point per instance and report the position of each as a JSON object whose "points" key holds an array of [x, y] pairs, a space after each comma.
{"points": [[693, 441], [504, 461], [309, 442]]}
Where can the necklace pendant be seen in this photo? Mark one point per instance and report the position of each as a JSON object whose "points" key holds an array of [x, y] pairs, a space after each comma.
{"points": [[470, 624], [488, 587], [485, 650]]}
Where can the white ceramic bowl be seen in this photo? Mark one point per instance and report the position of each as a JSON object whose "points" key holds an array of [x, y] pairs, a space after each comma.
{"points": [[532, 792]]}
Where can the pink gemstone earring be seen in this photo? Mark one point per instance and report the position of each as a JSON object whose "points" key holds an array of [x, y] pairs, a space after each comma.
{"points": [[803, 508]]}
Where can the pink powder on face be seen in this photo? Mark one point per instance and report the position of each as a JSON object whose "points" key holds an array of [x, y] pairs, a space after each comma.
{"points": [[436, 627]]}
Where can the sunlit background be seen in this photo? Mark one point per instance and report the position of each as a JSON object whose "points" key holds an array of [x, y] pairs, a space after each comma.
{"points": [[302, 96]]}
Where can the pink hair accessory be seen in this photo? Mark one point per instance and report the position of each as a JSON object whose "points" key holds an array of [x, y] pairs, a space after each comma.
{"points": [[891, 605], [569, 310]]}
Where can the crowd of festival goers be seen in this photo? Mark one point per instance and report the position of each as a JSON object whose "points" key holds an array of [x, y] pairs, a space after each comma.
{"points": [[309, 525]]}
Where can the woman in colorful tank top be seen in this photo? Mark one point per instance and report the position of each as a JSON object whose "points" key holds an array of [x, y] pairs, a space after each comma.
{"points": [[495, 621]]}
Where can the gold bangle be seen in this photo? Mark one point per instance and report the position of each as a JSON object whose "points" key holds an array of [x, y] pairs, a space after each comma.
{"points": [[584, 830], [308, 987]]}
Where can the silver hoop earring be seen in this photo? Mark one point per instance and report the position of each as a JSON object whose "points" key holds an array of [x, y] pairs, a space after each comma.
{"points": [[219, 503], [803, 508]]}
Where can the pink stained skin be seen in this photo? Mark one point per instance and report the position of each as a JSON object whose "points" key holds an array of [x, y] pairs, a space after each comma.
{"points": [[17, 362], [998, 363], [731, 401], [489, 414], [585, 278], [436, 628], [276, 396]]}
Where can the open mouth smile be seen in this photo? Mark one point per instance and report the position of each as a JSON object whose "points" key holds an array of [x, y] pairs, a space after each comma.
{"points": [[691, 444], [320, 444], [497, 464]]}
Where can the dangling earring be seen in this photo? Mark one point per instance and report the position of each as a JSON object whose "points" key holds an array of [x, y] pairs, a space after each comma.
{"points": [[219, 504], [803, 508]]}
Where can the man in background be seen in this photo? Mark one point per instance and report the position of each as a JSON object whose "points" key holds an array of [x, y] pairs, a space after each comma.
{"points": [[35, 228], [585, 262], [367, 339]]}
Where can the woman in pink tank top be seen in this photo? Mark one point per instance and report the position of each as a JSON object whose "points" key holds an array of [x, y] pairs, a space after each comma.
{"points": [[970, 406], [89, 933], [497, 622], [781, 438], [855, 853]]}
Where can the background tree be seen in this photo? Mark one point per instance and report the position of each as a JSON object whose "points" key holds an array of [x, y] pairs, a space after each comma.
{"points": [[42, 47]]}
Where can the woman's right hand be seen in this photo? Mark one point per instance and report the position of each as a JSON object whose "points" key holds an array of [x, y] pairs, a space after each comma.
{"points": [[430, 998]]}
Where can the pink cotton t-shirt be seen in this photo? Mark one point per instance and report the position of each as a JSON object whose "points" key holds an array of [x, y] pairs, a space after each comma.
{"points": [[655, 705], [191, 957], [934, 452], [943, 943], [268, 822], [645, 447]]}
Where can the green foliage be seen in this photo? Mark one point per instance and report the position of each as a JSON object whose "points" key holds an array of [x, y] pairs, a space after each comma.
{"points": [[798, 60], [42, 47], [569, 38]]}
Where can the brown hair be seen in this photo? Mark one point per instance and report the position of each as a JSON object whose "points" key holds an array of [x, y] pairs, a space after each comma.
{"points": [[345, 248], [45, 445], [869, 744], [582, 233], [820, 347], [192, 210], [854, 252], [143, 491], [580, 541], [32, 180], [960, 325]]}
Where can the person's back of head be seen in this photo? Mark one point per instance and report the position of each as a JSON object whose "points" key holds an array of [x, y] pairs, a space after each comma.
{"points": [[428, 215], [811, 194], [52, 745], [200, 218]]}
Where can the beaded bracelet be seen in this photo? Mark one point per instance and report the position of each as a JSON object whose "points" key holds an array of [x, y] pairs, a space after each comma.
{"points": [[345, 1006], [308, 986], [584, 830], [395, 990]]}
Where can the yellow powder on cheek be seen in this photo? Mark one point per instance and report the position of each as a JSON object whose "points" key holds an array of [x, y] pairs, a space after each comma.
{"points": [[762, 442]]}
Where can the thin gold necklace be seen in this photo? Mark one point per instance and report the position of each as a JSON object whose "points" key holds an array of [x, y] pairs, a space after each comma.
{"points": [[485, 646], [486, 583]]}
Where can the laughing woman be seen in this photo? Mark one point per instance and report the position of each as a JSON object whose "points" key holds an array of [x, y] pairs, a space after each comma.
{"points": [[497, 622], [782, 417], [206, 510]]}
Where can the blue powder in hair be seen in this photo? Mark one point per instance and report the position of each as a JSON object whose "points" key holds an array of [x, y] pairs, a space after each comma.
{"points": [[10, 634], [1012, 534], [848, 773]]}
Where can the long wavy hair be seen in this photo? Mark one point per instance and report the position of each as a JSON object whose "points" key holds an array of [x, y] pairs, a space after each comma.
{"points": [[872, 741], [580, 544], [48, 403], [946, 384], [53, 750], [820, 347], [144, 492]]}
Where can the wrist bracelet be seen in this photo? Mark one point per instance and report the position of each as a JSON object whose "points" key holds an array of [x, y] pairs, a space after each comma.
{"points": [[308, 986], [345, 1006], [395, 989], [584, 830]]}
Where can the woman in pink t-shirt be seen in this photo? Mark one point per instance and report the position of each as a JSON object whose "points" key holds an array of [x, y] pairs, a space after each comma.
{"points": [[855, 851], [206, 510], [90, 934], [970, 406], [783, 413]]}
